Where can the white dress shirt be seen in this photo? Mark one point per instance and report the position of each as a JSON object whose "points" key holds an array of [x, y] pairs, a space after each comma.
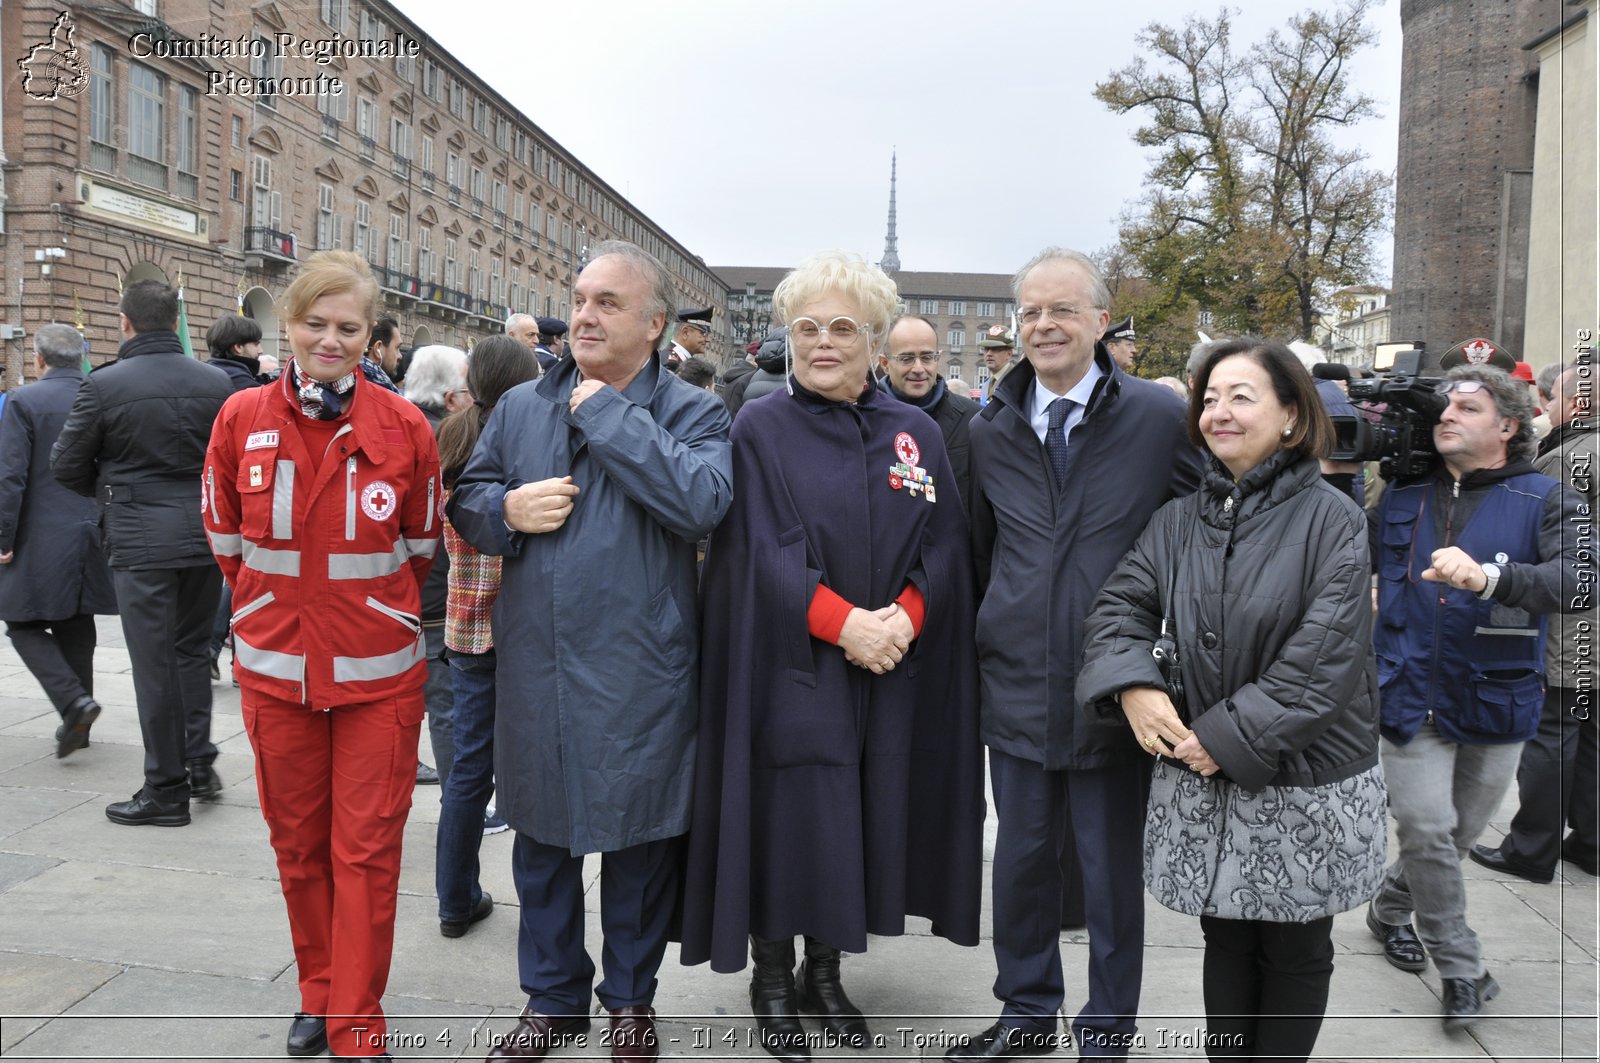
{"points": [[1080, 394]]}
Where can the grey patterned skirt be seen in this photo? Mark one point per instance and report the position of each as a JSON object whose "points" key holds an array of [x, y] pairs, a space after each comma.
{"points": [[1285, 854]]}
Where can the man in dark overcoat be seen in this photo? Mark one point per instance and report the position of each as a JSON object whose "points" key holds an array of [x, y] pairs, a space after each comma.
{"points": [[595, 482], [1070, 458], [53, 575], [136, 440]]}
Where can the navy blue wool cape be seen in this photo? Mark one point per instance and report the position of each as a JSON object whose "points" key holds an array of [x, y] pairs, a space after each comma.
{"points": [[828, 800]]}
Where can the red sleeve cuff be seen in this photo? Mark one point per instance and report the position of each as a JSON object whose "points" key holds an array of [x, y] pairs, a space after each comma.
{"points": [[916, 609], [826, 616]]}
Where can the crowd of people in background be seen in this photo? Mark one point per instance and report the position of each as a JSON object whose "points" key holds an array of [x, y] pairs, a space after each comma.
{"points": [[752, 639]]}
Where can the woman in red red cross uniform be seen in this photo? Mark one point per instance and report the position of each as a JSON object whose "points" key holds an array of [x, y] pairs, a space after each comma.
{"points": [[322, 501]]}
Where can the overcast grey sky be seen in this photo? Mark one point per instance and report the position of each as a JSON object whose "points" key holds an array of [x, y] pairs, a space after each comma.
{"points": [[757, 132]]}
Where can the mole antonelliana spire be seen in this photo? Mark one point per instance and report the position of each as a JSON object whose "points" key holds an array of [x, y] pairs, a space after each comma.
{"points": [[891, 253]]}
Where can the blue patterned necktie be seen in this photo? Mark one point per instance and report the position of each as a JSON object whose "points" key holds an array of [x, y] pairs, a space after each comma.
{"points": [[1055, 439]]}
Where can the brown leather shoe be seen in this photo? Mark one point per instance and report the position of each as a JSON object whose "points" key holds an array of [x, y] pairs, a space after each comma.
{"points": [[633, 1034], [536, 1034]]}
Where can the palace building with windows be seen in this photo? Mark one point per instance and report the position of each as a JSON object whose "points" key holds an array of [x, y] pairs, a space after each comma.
{"points": [[218, 145]]}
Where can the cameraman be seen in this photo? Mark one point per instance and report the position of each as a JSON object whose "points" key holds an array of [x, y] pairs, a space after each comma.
{"points": [[1469, 560]]}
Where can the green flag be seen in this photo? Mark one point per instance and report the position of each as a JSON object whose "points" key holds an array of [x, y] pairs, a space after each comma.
{"points": [[183, 325]]}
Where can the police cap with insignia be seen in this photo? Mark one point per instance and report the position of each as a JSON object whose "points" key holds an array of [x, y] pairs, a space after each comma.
{"points": [[1120, 330], [699, 318], [1478, 352]]}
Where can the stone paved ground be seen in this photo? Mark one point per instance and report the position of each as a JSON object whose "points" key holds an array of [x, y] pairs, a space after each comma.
{"points": [[146, 943]]}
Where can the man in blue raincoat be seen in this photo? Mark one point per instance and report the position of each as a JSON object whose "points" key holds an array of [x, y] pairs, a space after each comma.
{"points": [[594, 483]]}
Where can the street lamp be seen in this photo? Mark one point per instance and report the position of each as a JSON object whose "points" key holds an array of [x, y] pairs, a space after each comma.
{"points": [[752, 330]]}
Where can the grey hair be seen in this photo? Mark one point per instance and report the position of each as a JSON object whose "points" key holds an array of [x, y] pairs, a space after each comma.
{"points": [[61, 346], [1097, 280], [650, 268], [1511, 400], [435, 370], [516, 319], [1546, 380], [1197, 356]]}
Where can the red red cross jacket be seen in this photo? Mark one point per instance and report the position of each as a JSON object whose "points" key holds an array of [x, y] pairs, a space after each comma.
{"points": [[326, 565]]}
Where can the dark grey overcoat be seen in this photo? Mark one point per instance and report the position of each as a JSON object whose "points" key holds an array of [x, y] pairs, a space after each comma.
{"points": [[59, 570]]}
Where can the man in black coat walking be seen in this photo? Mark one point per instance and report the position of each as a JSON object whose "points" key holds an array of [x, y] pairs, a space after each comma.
{"points": [[53, 575], [136, 439]]}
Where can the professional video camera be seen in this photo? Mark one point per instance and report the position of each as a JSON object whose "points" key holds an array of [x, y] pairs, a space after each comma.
{"points": [[1395, 412]]}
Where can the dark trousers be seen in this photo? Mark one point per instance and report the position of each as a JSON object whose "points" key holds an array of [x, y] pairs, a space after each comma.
{"points": [[1106, 807], [1556, 786], [166, 623], [440, 700], [1266, 987], [464, 794], [1071, 879], [222, 624], [637, 891], [59, 653]]}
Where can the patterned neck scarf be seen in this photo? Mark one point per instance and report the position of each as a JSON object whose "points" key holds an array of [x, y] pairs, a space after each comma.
{"points": [[320, 401]]}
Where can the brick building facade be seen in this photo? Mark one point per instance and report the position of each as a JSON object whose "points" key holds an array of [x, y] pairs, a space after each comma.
{"points": [[1464, 174], [205, 141]]}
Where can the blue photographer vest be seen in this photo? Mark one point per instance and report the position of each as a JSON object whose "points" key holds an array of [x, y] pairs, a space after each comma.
{"points": [[1476, 667]]}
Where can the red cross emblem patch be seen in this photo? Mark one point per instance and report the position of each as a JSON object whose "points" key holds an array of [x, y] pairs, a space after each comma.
{"points": [[905, 448], [378, 500]]}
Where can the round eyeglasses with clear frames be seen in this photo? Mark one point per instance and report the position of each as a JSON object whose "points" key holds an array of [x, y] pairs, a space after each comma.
{"points": [[840, 330], [1060, 313]]}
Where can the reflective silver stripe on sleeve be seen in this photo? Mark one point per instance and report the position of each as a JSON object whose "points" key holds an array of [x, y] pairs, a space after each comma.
{"points": [[287, 666], [428, 524], [283, 501], [1526, 632], [224, 545], [386, 666], [421, 547], [367, 566], [271, 562]]}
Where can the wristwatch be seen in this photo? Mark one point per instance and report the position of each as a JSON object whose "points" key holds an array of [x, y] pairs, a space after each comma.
{"points": [[1491, 576]]}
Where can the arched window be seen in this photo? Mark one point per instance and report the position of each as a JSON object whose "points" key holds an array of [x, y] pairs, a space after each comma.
{"points": [[258, 304]]}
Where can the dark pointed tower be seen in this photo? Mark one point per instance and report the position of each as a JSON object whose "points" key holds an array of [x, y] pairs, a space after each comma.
{"points": [[891, 252]]}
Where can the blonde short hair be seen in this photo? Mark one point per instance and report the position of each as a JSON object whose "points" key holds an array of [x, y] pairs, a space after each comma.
{"points": [[842, 273], [330, 273]]}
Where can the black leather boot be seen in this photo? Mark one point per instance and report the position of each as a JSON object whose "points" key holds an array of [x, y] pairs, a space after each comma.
{"points": [[772, 1000], [822, 995]]}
